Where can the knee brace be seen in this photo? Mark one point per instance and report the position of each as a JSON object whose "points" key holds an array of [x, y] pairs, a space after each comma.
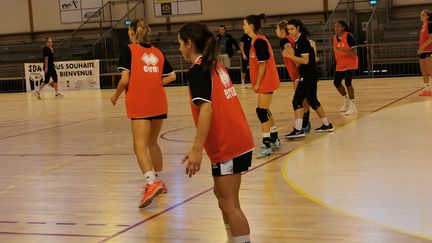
{"points": [[262, 114]]}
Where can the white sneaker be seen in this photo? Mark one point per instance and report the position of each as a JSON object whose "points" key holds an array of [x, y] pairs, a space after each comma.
{"points": [[58, 95], [346, 105], [265, 152], [352, 109]]}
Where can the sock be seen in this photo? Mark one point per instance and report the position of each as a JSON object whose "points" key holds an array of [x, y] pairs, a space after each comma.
{"points": [[427, 86], [266, 139], [159, 175], [242, 239], [150, 177], [325, 121], [243, 82], [352, 101], [229, 234], [305, 119], [298, 123], [273, 134]]}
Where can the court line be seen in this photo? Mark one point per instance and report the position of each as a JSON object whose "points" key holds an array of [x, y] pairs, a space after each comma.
{"points": [[186, 200], [48, 128], [51, 234], [339, 210]]}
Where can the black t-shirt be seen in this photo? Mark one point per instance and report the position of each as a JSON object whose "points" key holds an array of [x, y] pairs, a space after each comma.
{"points": [[200, 84], [261, 50], [430, 28], [350, 40], [125, 60], [303, 47], [47, 52], [283, 42], [246, 40]]}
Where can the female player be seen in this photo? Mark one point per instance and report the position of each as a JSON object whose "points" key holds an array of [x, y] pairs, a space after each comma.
{"points": [[304, 56], [221, 126], [265, 80], [425, 50], [144, 70], [346, 63]]}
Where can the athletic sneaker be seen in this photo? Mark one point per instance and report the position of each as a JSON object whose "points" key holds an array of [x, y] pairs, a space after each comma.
{"points": [[36, 94], [426, 93], [345, 106], [295, 134], [275, 145], [162, 183], [307, 128], [351, 110], [325, 128], [265, 152], [150, 192], [58, 95]]}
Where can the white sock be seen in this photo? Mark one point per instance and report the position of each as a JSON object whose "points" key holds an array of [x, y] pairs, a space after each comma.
{"points": [[273, 129], [298, 123], [243, 82], [242, 239], [150, 177], [427, 86], [159, 175], [266, 134], [325, 121], [352, 100], [229, 234]]}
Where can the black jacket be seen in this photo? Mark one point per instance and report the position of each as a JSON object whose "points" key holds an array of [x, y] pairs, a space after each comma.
{"points": [[230, 41]]}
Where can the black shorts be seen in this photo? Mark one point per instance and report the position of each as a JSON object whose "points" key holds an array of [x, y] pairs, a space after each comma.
{"points": [[245, 64], [51, 74], [234, 166], [163, 116], [341, 75], [425, 55]]}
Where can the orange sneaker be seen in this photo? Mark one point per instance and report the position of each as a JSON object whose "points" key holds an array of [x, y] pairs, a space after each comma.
{"points": [[426, 93], [150, 192], [162, 183]]}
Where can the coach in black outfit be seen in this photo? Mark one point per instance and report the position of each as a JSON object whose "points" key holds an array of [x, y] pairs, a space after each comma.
{"points": [[226, 43]]}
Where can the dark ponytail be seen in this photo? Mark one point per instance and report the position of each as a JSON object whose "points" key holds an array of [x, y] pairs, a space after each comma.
{"points": [[298, 23], [255, 20], [344, 25], [204, 42]]}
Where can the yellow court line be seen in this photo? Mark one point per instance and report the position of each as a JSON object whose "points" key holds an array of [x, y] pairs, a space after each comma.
{"points": [[339, 210]]}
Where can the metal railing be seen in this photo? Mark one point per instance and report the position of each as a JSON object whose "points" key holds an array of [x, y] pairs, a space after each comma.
{"points": [[77, 45], [109, 43]]}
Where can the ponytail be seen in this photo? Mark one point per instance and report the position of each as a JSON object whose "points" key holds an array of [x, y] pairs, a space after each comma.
{"points": [[298, 23], [255, 20], [204, 41], [141, 29]]}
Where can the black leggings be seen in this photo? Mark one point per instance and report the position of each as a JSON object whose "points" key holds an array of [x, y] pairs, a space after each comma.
{"points": [[341, 75], [306, 88]]}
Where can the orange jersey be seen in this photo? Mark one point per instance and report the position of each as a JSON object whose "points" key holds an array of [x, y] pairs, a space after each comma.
{"points": [[424, 36], [271, 81], [145, 95], [229, 135], [344, 61], [290, 65]]}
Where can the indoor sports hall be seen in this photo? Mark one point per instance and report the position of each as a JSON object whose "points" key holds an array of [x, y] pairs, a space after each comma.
{"points": [[68, 168]]}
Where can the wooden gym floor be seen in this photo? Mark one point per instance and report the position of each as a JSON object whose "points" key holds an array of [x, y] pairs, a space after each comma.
{"points": [[68, 172]]}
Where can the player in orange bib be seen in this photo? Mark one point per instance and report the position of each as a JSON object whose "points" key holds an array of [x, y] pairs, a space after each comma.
{"points": [[344, 48], [265, 80], [425, 50], [221, 126], [144, 70]]}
